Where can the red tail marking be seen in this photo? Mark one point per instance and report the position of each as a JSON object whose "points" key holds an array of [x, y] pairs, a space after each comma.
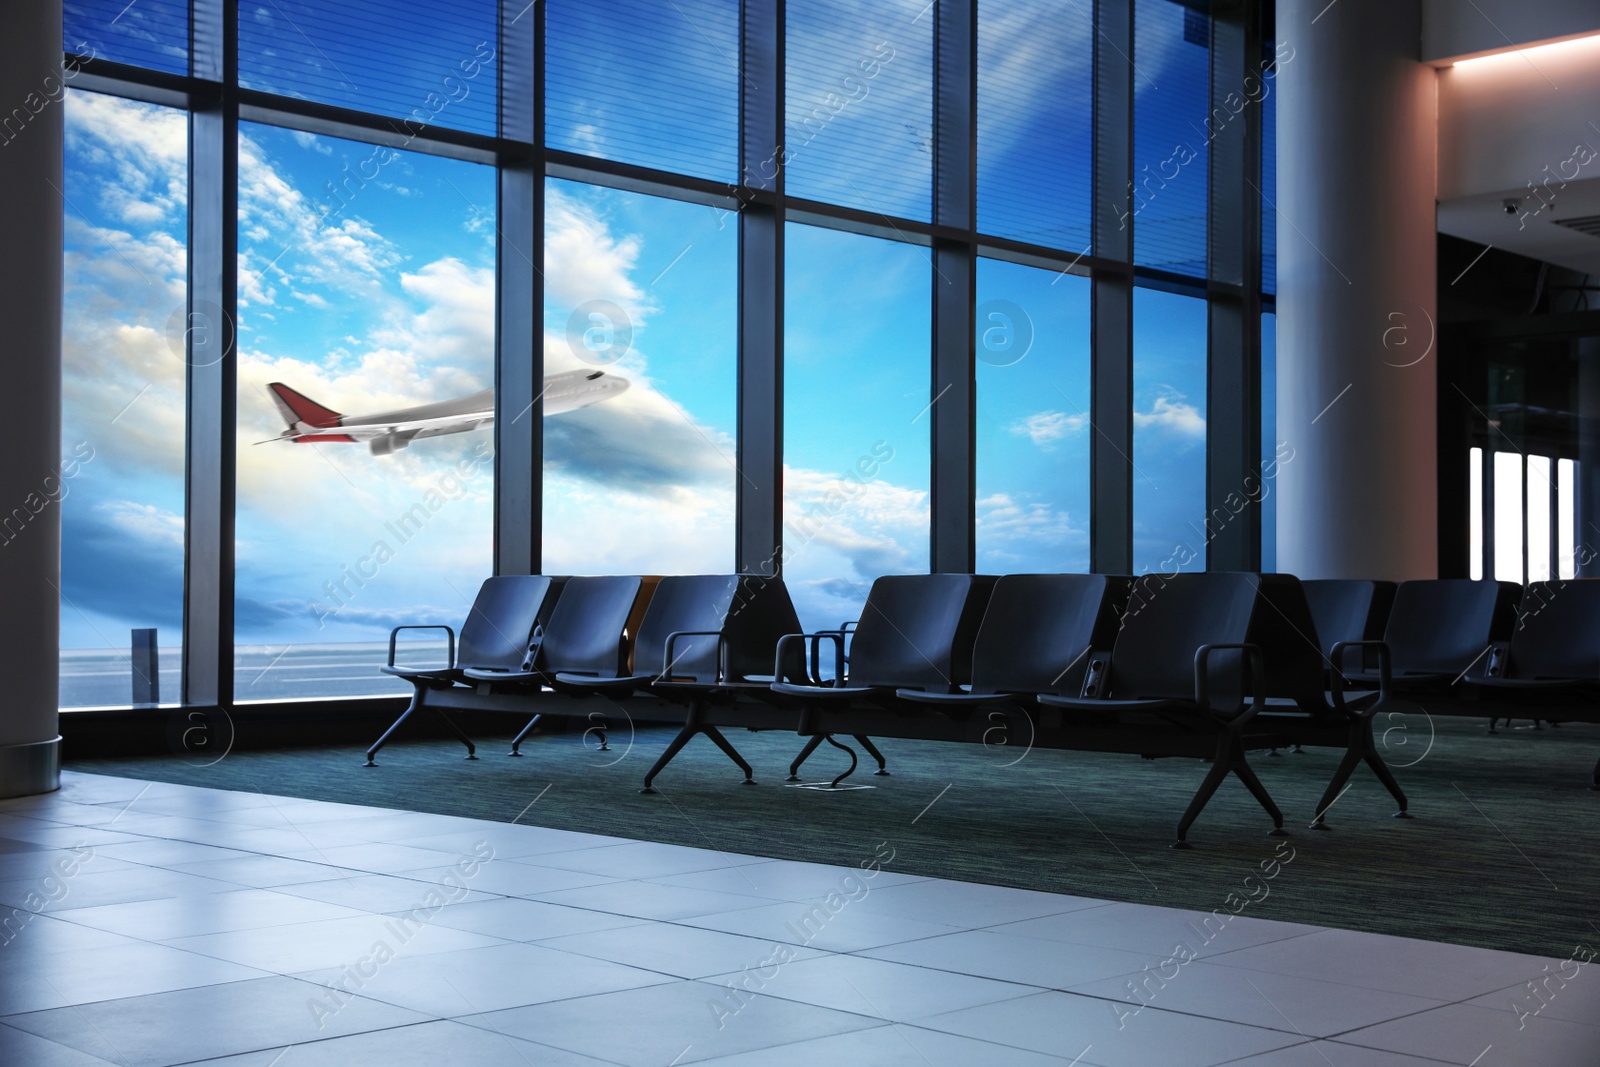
{"points": [[305, 410]]}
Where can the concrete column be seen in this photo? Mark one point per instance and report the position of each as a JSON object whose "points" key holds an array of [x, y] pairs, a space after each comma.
{"points": [[1357, 336], [31, 136]]}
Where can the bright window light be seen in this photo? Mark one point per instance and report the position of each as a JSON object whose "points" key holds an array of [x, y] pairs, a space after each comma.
{"points": [[1539, 518], [1475, 513], [1566, 518], [1508, 517]]}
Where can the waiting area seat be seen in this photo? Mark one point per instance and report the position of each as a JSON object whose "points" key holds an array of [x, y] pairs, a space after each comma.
{"points": [[1550, 667], [916, 631], [495, 637]]}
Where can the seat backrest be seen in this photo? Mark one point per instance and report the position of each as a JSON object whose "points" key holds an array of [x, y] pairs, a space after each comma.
{"points": [[1349, 609], [1038, 629], [586, 633], [1166, 623], [684, 602], [1442, 625], [749, 611], [495, 635], [1558, 631], [1294, 650], [913, 629]]}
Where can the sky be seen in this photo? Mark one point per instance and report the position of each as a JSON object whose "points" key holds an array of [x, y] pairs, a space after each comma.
{"points": [[382, 297]]}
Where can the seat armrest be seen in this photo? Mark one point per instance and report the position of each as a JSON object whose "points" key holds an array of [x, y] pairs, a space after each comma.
{"points": [[671, 661], [813, 641], [1337, 679], [1256, 680], [1495, 667], [451, 635]]}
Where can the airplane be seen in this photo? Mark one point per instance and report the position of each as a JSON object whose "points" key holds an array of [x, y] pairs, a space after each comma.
{"points": [[391, 431]]}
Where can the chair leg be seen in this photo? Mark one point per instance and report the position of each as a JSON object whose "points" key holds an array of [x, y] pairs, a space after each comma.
{"points": [[1374, 760], [1247, 775], [416, 702], [516, 742], [1595, 782], [805, 753], [1214, 775], [666, 757], [1347, 767], [872, 750], [850, 751], [732, 753], [455, 727]]}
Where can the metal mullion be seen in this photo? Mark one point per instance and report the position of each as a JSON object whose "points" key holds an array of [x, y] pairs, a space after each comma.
{"points": [[758, 537], [519, 296], [953, 279], [1233, 330], [212, 397], [1111, 324]]}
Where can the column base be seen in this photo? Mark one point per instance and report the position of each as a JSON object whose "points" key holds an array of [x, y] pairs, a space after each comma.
{"points": [[27, 769]]}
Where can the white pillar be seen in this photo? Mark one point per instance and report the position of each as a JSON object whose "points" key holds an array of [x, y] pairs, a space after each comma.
{"points": [[1357, 325], [31, 136]]}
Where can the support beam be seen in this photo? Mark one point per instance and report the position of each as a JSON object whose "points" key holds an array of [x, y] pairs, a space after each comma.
{"points": [[1111, 448], [759, 521], [953, 415], [1233, 310], [1357, 351], [519, 299], [212, 357], [30, 307]]}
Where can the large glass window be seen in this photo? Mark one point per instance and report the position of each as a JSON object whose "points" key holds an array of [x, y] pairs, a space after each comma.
{"points": [[857, 347], [1172, 130], [428, 62], [366, 327], [640, 328], [147, 33], [670, 100], [1035, 121], [1033, 420], [120, 484], [859, 123], [1170, 525]]}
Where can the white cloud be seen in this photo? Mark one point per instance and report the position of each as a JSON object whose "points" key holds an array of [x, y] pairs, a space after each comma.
{"points": [[1045, 428], [1171, 413], [144, 522]]}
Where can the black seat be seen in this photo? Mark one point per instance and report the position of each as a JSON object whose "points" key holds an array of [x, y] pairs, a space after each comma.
{"points": [[495, 637], [1036, 636], [916, 631], [1550, 667], [1348, 610], [1181, 660], [1438, 630], [703, 638], [586, 637]]}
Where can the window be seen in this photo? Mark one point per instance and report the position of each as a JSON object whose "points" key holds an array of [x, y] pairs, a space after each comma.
{"points": [[1035, 109], [645, 82], [1171, 134], [120, 486], [857, 351], [429, 62], [1269, 184], [859, 123], [364, 297], [152, 33], [1170, 525], [1033, 420], [642, 291]]}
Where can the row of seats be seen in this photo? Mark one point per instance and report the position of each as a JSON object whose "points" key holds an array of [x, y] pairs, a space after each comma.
{"points": [[1209, 665]]}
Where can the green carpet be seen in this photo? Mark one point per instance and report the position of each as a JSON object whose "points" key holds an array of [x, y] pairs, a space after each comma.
{"points": [[1502, 853]]}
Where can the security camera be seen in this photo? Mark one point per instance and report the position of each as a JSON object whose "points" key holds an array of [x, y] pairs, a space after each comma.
{"points": [[1512, 206]]}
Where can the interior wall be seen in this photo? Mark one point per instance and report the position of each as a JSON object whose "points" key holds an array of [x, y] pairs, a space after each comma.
{"points": [[1453, 28]]}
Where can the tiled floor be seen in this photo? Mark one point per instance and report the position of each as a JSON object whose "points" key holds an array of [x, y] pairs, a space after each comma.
{"points": [[161, 924]]}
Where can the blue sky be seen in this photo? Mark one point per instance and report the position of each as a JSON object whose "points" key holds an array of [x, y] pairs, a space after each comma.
{"points": [[383, 297]]}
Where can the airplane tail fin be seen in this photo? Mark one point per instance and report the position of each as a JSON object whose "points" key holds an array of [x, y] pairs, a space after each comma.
{"points": [[304, 416]]}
